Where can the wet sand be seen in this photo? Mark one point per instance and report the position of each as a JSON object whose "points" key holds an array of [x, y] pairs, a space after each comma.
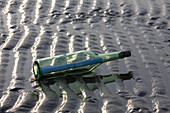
{"points": [[31, 29]]}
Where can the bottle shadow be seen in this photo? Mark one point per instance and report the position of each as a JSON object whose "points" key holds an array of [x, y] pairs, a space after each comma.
{"points": [[76, 93]]}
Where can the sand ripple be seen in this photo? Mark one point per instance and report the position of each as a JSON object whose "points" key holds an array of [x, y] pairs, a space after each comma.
{"points": [[35, 29]]}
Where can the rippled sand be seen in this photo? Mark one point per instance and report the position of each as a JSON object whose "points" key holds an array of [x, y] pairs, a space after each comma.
{"points": [[31, 29]]}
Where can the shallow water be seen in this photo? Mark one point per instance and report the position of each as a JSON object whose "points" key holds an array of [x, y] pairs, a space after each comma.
{"points": [[36, 29]]}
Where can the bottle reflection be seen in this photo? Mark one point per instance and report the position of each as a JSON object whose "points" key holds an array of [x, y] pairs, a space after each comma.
{"points": [[77, 93], [48, 99]]}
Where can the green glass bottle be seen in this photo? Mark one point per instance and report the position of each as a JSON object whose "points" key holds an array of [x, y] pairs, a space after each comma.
{"points": [[73, 63]]}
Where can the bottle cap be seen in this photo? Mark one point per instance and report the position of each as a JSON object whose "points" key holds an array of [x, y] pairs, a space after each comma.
{"points": [[125, 54]]}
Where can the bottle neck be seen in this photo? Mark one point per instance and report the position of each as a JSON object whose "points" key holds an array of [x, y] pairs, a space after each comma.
{"points": [[110, 56], [114, 55]]}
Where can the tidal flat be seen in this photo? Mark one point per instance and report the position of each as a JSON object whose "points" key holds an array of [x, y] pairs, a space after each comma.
{"points": [[34, 29]]}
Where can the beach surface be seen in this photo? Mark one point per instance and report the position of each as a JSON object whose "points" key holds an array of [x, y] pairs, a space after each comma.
{"points": [[34, 29]]}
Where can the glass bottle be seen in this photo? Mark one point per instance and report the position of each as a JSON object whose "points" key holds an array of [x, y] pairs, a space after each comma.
{"points": [[75, 63]]}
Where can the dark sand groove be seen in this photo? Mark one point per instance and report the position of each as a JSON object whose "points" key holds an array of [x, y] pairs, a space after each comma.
{"points": [[166, 6], [14, 28], [83, 6], [159, 47], [41, 12], [8, 100], [29, 40], [62, 44], [55, 11], [17, 83], [26, 101], [26, 10], [3, 32], [4, 59], [32, 29], [139, 88], [153, 69]]}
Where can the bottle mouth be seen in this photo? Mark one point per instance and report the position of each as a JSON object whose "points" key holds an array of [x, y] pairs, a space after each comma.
{"points": [[124, 54], [36, 70]]}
